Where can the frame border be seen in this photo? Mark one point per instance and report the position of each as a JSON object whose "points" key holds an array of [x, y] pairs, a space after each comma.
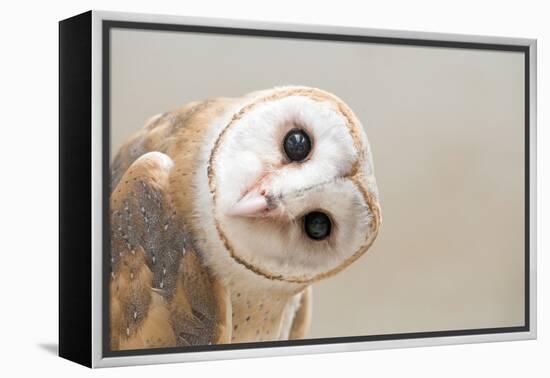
{"points": [[103, 22], [75, 188]]}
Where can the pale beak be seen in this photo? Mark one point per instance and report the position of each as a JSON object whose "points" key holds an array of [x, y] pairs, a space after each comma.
{"points": [[253, 204]]}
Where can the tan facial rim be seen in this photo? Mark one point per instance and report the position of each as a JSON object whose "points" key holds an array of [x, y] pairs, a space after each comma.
{"points": [[355, 176]]}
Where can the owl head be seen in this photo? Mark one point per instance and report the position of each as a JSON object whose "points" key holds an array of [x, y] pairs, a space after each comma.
{"points": [[291, 190]]}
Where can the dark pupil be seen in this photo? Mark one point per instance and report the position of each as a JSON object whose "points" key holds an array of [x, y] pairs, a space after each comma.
{"points": [[297, 145], [317, 225]]}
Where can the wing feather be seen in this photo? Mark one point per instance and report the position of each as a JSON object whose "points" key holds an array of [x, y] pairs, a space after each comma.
{"points": [[161, 295]]}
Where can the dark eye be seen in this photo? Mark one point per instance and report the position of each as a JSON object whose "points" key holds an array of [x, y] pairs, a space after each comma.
{"points": [[317, 225], [297, 145]]}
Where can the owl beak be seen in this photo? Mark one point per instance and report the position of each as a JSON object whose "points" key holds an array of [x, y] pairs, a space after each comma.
{"points": [[253, 204]]}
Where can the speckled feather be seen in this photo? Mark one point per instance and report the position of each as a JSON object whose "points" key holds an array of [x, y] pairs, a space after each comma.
{"points": [[160, 294]]}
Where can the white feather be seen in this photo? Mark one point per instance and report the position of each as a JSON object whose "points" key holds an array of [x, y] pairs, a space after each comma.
{"points": [[250, 150]]}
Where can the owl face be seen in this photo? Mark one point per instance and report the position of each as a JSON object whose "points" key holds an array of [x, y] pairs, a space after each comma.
{"points": [[294, 195]]}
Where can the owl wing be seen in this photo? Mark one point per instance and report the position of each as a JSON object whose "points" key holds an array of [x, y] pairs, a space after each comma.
{"points": [[161, 295]]}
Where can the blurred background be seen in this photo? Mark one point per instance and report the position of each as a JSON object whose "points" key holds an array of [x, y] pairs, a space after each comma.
{"points": [[446, 128]]}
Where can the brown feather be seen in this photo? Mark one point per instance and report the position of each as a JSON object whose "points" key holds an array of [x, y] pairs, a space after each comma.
{"points": [[199, 308], [160, 294]]}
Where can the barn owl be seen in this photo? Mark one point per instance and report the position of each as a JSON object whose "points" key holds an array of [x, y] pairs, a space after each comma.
{"points": [[224, 213]]}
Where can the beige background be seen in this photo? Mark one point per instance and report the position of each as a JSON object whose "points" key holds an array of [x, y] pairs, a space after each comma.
{"points": [[446, 128]]}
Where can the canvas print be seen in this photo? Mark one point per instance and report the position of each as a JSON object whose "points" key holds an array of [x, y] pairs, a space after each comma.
{"points": [[280, 190]]}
